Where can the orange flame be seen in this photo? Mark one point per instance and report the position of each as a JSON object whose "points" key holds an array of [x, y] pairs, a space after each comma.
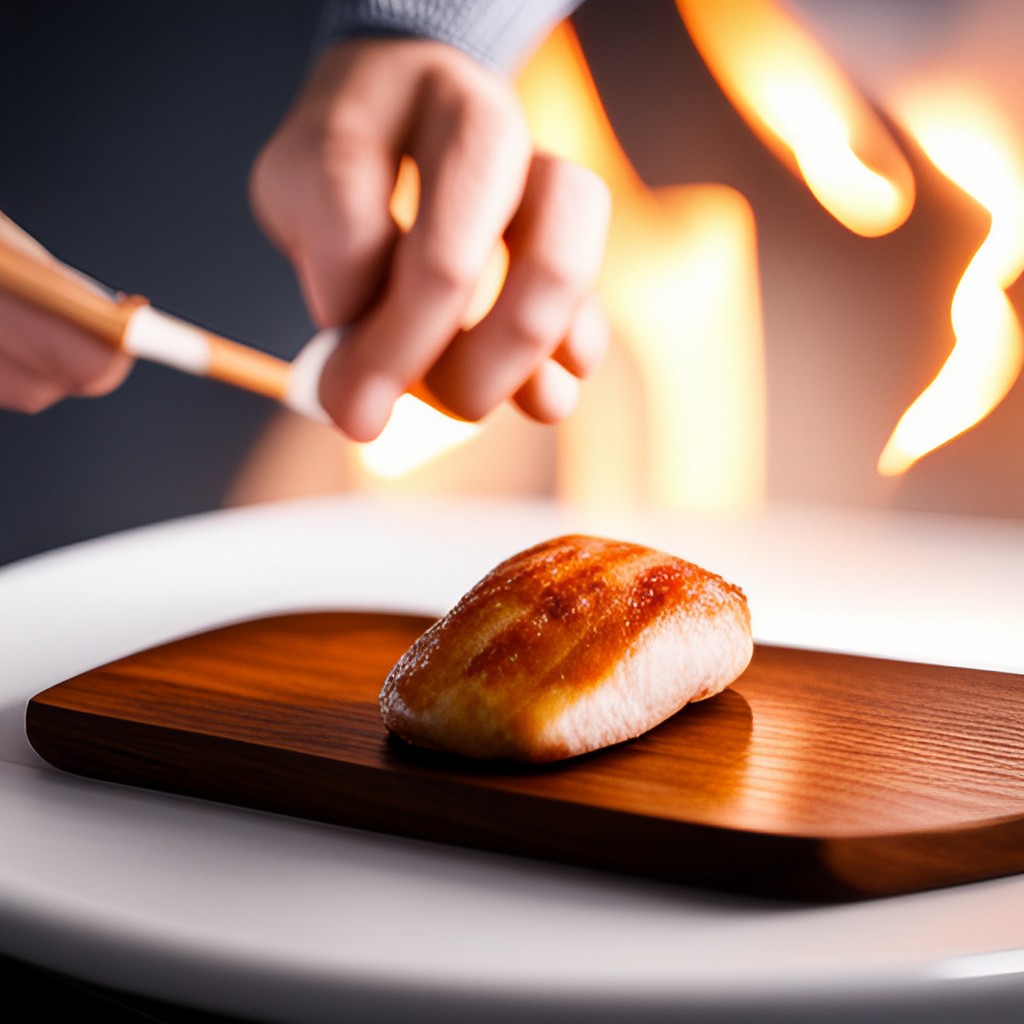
{"points": [[965, 137], [795, 97], [681, 290]]}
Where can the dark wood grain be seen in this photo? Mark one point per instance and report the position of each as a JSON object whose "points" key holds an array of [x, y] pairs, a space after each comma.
{"points": [[817, 775]]}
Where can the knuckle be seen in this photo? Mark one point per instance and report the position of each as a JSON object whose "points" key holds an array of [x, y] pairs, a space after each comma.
{"points": [[343, 156], [444, 269], [533, 329], [554, 275], [492, 112], [352, 195], [484, 109]]}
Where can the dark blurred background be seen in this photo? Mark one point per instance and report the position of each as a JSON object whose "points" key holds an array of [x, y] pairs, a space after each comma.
{"points": [[128, 130]]}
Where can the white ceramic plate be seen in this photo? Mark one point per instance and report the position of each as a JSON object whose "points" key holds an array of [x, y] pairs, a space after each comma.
{"points": [[280, 919]]}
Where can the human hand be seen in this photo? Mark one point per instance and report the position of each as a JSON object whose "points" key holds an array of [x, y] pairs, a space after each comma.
{"points": [[43, 359], [321, 189]]}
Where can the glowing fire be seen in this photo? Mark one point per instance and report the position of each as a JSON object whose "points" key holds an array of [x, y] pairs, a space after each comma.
{"points": [[799, 102], [794, 96], [967, 139], [680, 288]]}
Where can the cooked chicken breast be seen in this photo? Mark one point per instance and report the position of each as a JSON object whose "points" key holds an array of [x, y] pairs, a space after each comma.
{"points": [[570, 646]]}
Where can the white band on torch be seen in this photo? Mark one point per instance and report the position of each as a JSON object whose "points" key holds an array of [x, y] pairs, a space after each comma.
{"points": [[303, 393], [164, 339]]}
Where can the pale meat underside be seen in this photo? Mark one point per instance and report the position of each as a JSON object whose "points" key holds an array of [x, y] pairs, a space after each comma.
{"points": [[672, 665], [574, 645]]}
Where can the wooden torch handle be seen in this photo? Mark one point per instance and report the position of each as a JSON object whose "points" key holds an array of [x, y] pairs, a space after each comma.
{"points": [[45, 285], [31, 274]]}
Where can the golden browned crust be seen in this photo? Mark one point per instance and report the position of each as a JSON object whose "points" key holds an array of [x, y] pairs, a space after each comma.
{"points": [[571, 645]]}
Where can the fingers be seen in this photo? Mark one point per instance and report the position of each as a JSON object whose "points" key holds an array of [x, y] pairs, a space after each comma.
{"points": [[322, 187], [583, 349], [43, 360], [24, 391], [473, 153], [551, 393], [555, 242]]}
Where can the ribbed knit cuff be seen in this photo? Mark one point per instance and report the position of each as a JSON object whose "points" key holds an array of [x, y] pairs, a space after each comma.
{"points": [[498, 33]]}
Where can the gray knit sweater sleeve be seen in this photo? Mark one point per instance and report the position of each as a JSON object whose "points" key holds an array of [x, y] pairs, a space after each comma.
{"points": [[498, 33]]}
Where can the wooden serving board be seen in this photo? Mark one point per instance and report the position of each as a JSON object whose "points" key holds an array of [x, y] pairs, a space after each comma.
{"points": [[817, 776]]}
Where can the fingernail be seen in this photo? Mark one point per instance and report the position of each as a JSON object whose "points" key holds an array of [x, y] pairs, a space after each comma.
{"points": [[558, 392]]}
